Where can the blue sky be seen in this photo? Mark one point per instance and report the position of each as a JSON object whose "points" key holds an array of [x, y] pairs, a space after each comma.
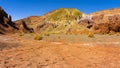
{"points": [[23, 8]]}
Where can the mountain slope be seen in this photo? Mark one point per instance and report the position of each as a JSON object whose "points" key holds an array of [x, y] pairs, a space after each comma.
{"points": [[6, 24], [63, 20], [109, 11], [107, 21], [64, 14], [72, 21]]}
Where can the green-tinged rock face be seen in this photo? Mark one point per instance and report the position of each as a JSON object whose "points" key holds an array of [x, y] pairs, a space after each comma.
{"points": [[60, 21], [63, 14]]}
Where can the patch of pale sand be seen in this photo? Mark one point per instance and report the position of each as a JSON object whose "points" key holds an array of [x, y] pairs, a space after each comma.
{"points": [[101, 43], [57, 43]]}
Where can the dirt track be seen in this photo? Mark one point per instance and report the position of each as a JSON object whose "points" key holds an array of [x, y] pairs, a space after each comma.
{"points": [[45, 54]]}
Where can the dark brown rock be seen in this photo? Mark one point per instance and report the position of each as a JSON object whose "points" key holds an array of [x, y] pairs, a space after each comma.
{"points": [[6, 24], [87, 23]]}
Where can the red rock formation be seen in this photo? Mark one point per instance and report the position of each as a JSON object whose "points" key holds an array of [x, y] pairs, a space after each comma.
{"points": [[107, 24], [6, 24]]}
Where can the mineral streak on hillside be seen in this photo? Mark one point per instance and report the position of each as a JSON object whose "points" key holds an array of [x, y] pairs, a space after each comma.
{"points": [[64, 14], [63, 20]]}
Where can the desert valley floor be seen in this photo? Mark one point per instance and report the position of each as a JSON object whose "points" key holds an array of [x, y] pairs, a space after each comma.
{"points": [[60, 52]]}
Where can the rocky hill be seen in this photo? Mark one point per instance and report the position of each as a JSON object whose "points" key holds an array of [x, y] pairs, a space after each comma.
{"points": [[6, 24], [63, 14], [109, 11], [107, 21], [72, 21], [31, 22], [63, 20]]}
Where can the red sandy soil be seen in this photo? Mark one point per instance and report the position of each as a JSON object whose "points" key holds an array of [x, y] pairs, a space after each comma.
{"points": [[46, 54]]}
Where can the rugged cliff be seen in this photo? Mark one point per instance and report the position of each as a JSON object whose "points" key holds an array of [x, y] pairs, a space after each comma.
{"points": [[6, 24]]}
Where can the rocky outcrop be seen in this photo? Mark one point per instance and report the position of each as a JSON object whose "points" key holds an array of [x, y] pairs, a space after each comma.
{"points": [[24, 28], [66, 20], [86, 21], [107, 23], [6, 24], [57, 21]]}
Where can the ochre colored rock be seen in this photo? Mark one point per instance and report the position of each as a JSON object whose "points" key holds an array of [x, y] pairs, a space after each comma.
{"points": [[107, 24]]}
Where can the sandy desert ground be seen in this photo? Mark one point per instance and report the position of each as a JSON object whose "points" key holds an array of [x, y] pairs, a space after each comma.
{"points": [[18, 52]]}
